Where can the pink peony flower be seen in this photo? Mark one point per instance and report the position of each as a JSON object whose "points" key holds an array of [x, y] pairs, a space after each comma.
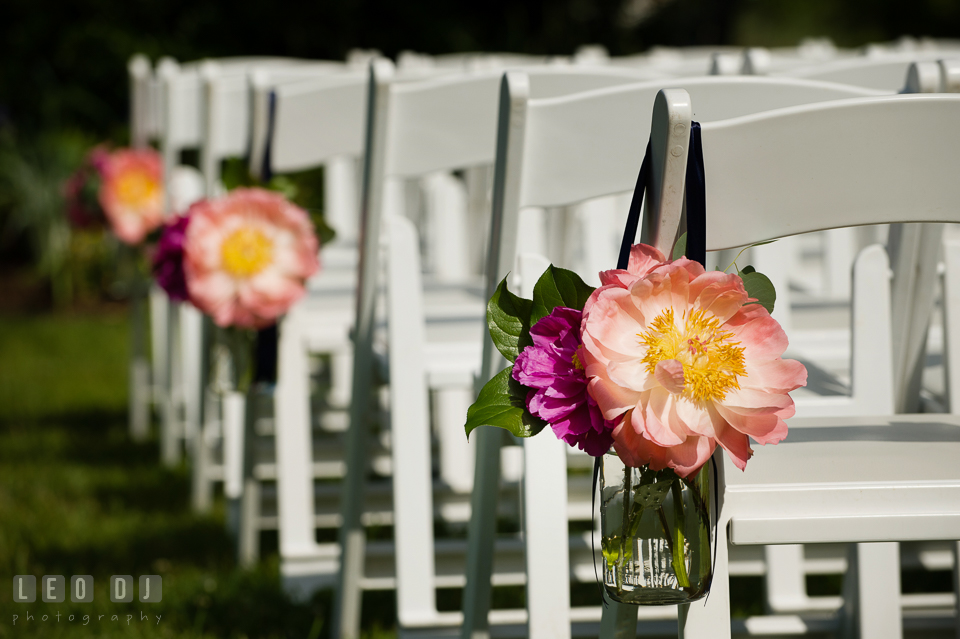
{"points": [[247, 256], [131, 192], [679, 359], [551, 368]]}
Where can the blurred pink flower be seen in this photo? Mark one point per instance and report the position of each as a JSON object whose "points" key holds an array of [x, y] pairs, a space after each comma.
{"points": [[681, 362], [247, 256], [131, 192]]}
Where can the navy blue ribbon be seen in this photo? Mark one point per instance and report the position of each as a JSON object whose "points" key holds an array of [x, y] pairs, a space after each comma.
{"points": [[266, 170], [636, 208], [696, 199], [265, 355]]}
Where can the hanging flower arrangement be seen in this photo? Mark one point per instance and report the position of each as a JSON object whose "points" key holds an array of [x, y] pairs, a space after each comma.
{"points": [[663, 362], [243, 259]]}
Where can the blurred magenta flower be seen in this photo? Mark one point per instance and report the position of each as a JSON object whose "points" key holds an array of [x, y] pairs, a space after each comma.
{"points": [[247, 256], [552, 369], [168, 258], [80, 191]]}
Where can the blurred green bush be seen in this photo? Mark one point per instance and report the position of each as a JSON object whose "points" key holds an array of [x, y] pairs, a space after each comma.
{"points": [[78, 263]]}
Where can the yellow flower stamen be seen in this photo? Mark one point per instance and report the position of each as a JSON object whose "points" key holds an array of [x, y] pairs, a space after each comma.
{"points": [[246, 252], [136, 188], [712, 362], [577, 364]]}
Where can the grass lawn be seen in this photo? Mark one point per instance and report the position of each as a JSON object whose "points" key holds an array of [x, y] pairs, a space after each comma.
{"points": [[78, 498]]}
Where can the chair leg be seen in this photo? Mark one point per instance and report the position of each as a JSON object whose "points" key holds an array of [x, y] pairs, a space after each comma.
{"points": [[170, 424], [878, 591], [341, 374], [456, 453], [481, 534], [709, 618], [786, 586], [956, 584], [202, 488], [249, 541], [139, 399], [618, 621]]}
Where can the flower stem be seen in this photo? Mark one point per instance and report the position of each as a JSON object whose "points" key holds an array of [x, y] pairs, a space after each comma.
{"points": [[679, 541], [624, 537]]}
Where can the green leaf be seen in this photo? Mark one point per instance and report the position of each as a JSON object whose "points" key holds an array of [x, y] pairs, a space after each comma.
{"points": [[747, 269], [680, 248], [760, 288], [325, 232], [503, 403], [558, 287], [508, 318], [652, 495], [762, 243], [284, 186]]}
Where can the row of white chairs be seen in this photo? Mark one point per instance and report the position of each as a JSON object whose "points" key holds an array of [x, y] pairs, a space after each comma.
{"points": [[300, 513]]}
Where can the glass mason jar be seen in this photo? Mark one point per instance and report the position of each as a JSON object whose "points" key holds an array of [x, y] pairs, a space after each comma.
{"points": [[656, 542]]}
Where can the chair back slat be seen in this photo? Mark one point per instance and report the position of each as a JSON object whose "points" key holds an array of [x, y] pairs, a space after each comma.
{"points": [[338, 100], [883, 72], [452, 121], [761, 164], [590, 145]]}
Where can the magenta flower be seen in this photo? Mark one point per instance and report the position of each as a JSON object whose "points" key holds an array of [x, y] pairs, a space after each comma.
{"points": [[168, 259], [80, 191], [552, 369]]}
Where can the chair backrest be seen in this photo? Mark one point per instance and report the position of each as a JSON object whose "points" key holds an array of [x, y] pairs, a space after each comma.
{"points": [[312, 121], [226, 103], [181, 91], [584, 149], [144, 101], [909, 136], [884, 72]]}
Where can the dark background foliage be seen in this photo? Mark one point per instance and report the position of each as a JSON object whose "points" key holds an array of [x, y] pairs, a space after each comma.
{"points": [[63, 64]]}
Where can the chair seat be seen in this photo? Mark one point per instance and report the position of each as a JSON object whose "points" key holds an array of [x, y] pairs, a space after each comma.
{"points": [[805, 489]]}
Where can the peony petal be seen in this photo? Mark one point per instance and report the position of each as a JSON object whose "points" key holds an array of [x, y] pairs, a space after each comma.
{"points": [[774, 376], [644, 257], [734, 442], [765, 429], [748, 401], [659, 421], [761, 336], [720, 294], [618, 278], [669, 372], [612, 399], [634, 449], [687, 458]]}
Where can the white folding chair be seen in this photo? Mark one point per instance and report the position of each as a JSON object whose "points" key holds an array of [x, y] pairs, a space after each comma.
{"points": [[226, 132], [897, 480], [563, 180], [179, 94]]}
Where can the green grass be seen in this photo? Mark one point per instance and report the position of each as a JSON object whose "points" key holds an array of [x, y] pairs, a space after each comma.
{"points": [[77, 497]]}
